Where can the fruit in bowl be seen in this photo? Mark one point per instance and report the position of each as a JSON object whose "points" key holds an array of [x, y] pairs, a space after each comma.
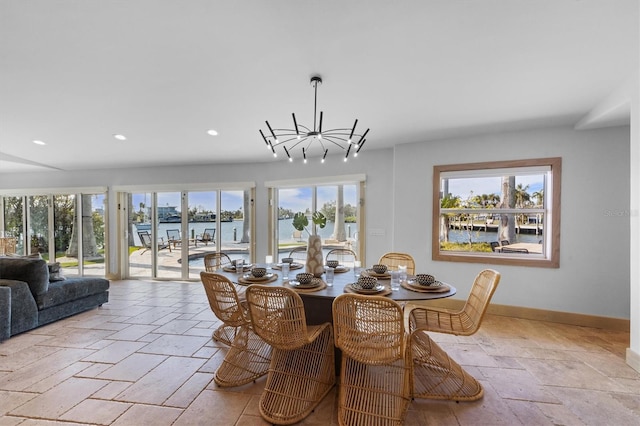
{"points": [[332, 263], [367, 282], [304, 277], [379, 268], [259, 272], [425, 279]]}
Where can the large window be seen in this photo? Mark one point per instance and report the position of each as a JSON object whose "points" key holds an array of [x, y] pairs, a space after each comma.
{"points": [[504, 212], [338, 201]]}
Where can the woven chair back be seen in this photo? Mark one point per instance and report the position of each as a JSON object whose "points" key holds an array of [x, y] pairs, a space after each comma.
{"points": [[223, 299], [393, 259], [369, 329], [277, 315], [215, 261], [476, 305], [344, 256], [299, 253]]}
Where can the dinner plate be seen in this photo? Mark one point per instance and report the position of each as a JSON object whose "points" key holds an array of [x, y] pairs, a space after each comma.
{"points": [[292, 266], [340, 268], [231, 268], [377, 289], [250, 277], [377, 275], [315, 282]]}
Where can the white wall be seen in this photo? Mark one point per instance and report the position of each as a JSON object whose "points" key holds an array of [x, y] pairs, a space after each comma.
{"points": [[593, 277]]}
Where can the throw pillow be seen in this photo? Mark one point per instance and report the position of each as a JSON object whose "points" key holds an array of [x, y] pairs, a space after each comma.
{"points": [[54, 272]]}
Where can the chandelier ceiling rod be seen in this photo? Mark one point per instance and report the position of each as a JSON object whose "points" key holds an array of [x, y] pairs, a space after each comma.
{"points": [[335, 137]]}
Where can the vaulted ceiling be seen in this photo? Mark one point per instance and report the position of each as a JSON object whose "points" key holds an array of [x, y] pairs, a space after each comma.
{"points": [[73, 73]]}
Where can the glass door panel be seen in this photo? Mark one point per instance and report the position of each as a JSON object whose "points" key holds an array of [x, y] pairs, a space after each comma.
{"points": [[65, 233], [14, 221], [169, 225], [93, 220], [202, 207], [38, 224], [235, 224], [139, 244], [290, 202]]}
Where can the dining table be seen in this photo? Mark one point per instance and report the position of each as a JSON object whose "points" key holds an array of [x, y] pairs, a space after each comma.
{"points": [[318, 300]]}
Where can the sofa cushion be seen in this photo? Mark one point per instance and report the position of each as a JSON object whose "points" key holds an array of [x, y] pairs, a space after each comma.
{"points": [[33, 271], [71, 289], [55, 274]]}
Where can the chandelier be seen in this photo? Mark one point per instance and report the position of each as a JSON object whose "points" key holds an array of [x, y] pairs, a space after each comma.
{"points": [[306, 142]]}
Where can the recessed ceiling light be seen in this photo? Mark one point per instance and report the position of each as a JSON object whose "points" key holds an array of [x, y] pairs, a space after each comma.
{"points": [[212, 132], [38, 142], [120, 137]]}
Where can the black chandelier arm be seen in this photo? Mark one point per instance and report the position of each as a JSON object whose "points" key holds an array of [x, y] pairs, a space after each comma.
{"points": [[339, 142], [294, 138]]}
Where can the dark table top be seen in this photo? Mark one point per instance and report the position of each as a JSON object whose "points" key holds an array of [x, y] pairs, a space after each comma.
{"points": [[343, 279]]}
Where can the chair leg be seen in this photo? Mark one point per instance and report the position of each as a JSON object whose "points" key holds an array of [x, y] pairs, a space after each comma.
{"points": [[225, 334], [298, 380], [437, 376], [247, 359]]}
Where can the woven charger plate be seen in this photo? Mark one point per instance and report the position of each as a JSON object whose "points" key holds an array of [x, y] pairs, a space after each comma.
{"points": [[321, 285], [372, 273], [440, 288], [292, 267], [350, 289], [263, 280]]}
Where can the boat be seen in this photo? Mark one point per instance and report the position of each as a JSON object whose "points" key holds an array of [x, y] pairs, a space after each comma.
{"points": [[171, 219]]}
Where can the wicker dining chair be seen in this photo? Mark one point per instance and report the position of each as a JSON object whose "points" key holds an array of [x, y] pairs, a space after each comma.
{"points": [[436, 375], [299, 253], [464, 322], [249, 356], [216, 260], [375, 375], [302, 369], [393, 259], [343, 255]]}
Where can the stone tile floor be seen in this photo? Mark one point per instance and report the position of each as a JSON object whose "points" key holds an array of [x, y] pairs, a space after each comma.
{"points": [[146, 358]]}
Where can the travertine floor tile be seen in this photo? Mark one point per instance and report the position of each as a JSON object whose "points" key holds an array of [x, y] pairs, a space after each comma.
{"points": [[56, 401], [161, 382], [95, 411], [148, 415]]}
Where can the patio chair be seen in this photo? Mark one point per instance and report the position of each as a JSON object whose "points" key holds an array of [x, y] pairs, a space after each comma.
{"points": [[393, 259], [461, 323], [209, 235], [145, 240], [494, 245], [215, 261], [375, 374], [249, 356], [514, 250], [342, 255], [173, 237], [302, 370]]}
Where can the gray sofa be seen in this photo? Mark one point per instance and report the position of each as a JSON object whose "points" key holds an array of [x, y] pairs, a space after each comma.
{"points": [[29, 299]]}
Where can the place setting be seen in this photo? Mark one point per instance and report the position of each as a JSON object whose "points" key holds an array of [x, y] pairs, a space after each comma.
{"points": [[306, 283], [237, 265], [379, 271], [292, 265], [257, 275], [425, 283], [337, 267], [367, 284]]}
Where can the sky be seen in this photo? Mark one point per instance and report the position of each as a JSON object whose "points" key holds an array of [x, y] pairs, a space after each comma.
{"points": [[491, 185]]}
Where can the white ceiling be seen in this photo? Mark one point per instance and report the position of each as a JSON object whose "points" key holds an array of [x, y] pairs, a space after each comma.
{"points": [[163, 72]]}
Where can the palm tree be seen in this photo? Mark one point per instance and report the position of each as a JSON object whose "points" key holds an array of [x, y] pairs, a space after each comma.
{"points": [[539, 196], [448, 202]]}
